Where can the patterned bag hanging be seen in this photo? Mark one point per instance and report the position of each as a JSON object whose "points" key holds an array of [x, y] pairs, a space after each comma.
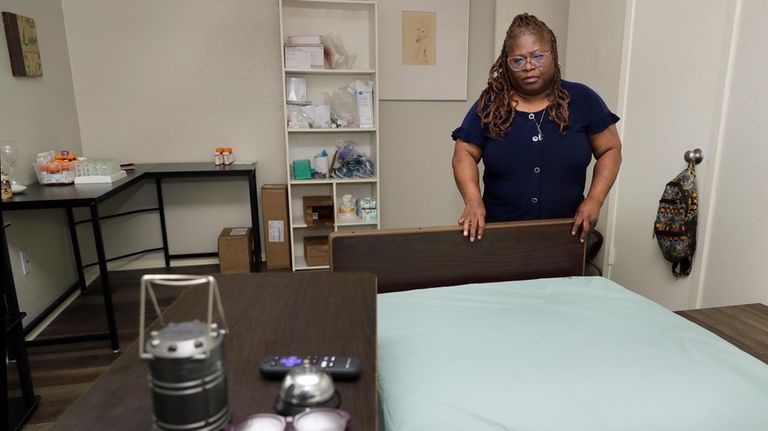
{"points": [[675, 226]]}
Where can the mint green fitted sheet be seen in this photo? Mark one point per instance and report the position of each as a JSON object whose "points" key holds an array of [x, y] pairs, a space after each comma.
{"points": [[569, 354]]}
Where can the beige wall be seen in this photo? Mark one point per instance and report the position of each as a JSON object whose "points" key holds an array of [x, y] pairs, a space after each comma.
{"points": [[166, 81], [675, 81], [39, 114], [735, 248], [594, 58], [170, 80], [417, 187], [553, 12]]}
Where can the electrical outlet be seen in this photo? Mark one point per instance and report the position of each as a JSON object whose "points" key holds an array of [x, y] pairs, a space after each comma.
{"points": [[25, 266]]}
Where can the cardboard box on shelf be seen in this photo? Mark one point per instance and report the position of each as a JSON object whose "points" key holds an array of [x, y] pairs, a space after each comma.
{"points": [[316, 250], [236, 249], [277, 241], [318, 210]]}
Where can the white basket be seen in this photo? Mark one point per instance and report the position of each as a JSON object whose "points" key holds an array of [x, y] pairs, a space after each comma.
{"points": [[55, 173]]}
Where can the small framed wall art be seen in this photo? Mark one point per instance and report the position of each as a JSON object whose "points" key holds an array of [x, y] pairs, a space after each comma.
{"points": [[423, 49], [21, 34]]}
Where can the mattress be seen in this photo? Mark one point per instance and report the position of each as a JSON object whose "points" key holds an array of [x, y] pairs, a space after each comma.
{"points": [[578, 353]]}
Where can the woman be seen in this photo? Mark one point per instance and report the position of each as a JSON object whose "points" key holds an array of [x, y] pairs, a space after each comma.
{"points": [[536, 135]]}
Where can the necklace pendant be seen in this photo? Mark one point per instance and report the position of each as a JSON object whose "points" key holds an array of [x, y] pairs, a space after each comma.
{"points": [[540, 137], [535, 139]]}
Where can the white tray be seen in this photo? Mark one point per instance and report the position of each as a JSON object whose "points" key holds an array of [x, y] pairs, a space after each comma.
{"points": [[93, 179]]}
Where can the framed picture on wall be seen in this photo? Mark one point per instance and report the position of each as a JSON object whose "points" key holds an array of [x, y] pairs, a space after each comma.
{"points": [[21, 35], [423, 49]]}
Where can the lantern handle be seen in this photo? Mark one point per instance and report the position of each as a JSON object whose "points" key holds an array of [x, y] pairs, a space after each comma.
{"points": [[179, 280]]}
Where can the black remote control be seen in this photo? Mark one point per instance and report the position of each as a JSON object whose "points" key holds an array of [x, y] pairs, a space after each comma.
{"points": [[338, 367]]}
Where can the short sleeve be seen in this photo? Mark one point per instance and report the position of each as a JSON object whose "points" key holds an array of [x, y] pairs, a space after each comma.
{"points": [[471, 129], [600, 116]]}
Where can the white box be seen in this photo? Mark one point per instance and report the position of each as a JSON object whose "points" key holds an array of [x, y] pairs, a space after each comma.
{"points": [[365, 108], [95, 179], [298, 60], [295, 56]]}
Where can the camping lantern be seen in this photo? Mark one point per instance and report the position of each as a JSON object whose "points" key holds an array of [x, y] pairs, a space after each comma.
{"points": [[187, 373]]}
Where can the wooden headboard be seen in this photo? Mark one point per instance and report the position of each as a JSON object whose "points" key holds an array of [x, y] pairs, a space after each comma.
{"points": [[405, 259]]}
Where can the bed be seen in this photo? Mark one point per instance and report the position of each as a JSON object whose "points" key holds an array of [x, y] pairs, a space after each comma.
{"points": [[545, 352]]}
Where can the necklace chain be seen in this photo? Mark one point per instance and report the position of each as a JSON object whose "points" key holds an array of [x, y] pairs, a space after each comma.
{"points": [[538, 125]]}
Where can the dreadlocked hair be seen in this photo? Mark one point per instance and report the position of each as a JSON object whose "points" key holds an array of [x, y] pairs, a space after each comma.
{"points": [[495, 106]]}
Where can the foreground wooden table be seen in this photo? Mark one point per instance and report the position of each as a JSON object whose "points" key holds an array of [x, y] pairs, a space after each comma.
{"points": [[744, 326], [268, 314]]}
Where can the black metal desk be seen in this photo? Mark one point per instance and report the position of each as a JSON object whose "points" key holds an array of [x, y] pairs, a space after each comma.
{"points": [[21, 407], [91, 195]]}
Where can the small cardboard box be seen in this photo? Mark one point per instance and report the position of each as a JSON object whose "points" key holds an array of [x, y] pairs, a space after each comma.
{"points": [[277, 241], [236, 249], [316, 250], [318, 210]]}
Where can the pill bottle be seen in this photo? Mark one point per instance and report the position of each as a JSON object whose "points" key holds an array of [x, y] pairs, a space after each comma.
{"points": [[227, 156], [218, 158]]}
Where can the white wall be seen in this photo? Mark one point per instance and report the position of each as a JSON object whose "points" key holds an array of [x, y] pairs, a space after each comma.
{"points": [[675, 83], [737, 245], [39, 114]]}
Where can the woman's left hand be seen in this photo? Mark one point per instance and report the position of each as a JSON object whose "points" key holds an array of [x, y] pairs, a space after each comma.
{"points": [[586, 218]]}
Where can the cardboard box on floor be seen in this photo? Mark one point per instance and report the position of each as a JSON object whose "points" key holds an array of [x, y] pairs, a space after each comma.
{"points": [[236, 249], [277, 241]]}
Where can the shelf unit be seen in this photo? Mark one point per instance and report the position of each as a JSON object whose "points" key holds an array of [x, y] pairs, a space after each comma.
{"points": [[356, 25]]}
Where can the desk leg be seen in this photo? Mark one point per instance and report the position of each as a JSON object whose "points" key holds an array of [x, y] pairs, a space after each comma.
{"points": [[255, 218], [76, 249], [163, 230], [104, 274]]}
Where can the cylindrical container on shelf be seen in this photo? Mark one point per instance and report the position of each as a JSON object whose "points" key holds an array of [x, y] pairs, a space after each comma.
{"points": [[227, 155], [295, 89]]}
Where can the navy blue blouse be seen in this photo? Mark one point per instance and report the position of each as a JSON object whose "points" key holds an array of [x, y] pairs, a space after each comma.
{"points": [[526, 178]]}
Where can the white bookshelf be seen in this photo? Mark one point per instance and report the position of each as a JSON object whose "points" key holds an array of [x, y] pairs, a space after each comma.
{"points": [[356, 25]]}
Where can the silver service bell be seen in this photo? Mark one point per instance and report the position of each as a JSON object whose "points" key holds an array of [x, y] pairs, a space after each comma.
{"points": [[187, 373]]}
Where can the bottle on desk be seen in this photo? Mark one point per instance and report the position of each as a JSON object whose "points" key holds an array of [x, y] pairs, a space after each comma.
{"points": [[223, 156], [227, 156], [5, 187]]}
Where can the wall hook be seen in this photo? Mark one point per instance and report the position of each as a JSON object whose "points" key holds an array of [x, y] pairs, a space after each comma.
{"points": [[695, 156]]}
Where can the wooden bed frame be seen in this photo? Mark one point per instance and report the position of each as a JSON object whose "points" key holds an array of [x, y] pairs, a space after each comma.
{"points": [[405, 259]]}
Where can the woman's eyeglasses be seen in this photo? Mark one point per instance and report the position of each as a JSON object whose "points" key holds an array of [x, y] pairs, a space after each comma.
{"points": [[319, 419], [517, 63]]}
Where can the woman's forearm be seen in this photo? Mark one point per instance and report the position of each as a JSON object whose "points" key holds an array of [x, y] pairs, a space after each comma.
{"points": [[604, 174], [466, 173]]}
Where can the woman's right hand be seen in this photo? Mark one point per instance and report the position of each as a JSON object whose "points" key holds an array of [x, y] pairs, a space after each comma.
{"points": [[472, 220], [466, 156]]}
